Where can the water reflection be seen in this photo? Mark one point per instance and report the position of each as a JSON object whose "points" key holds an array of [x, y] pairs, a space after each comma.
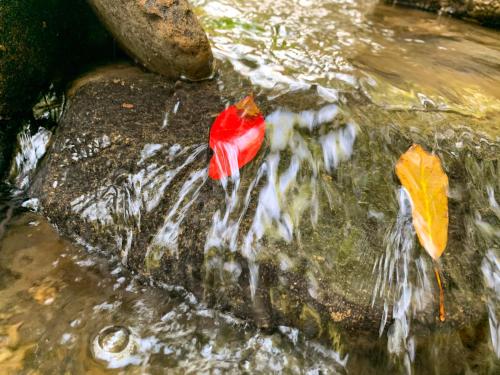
{"points": [[100, 317], [398, 59]]}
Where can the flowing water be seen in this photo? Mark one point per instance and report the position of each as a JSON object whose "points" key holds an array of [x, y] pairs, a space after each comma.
{"points": [[384, 76]]}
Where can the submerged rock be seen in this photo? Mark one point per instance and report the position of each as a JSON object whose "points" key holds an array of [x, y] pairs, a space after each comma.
{"points": [[316, 232], [484, 11], [163, 35]]}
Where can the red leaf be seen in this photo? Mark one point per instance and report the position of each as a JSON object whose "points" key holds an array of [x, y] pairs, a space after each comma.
{"points": [[235, 137]]}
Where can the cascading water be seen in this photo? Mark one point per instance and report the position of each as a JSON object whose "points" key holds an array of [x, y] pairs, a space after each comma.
{"points": [[491, 274], [31, 149], [167, 235], [120, 202], [402, 284], [490, 267], [286, 193]]}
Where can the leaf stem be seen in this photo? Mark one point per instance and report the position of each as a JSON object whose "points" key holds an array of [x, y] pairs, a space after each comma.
{"points": [[441, 295]]}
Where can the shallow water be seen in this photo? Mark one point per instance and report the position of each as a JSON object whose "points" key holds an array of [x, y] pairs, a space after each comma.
{"points": [[398, 58], [66, 309]]}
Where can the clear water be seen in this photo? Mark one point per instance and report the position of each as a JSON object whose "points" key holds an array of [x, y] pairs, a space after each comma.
{"points": [[399, 59], [66, 309]]}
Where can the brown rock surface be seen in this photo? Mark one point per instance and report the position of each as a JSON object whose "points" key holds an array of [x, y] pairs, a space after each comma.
{"points": [[163, 35]]}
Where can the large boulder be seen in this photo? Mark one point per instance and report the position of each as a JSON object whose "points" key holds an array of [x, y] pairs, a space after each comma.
{"points": [[163, 35], [311, 235], [484, 11]]}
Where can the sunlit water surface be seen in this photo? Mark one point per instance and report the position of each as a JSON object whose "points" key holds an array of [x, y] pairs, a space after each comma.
{"points": [[64, 309]]}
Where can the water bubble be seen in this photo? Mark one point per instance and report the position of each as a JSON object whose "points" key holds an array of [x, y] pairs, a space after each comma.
{"points": [[116, 346], [114, 339]]}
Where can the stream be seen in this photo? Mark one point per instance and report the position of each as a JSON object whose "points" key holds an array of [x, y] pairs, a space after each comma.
{"points": [[391, 74]]}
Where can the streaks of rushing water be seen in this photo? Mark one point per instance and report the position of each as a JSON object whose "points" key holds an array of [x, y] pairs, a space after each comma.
{"points": [[148, 151], [287, 193], [356, 46], [166, 117], [225, 230], [82, 149], [120, 206], [490, 268], [402, 283], [267, 51], [174, 335], [491, 276], [337, 146], [140, 191], [167, 236], [31, 150]]}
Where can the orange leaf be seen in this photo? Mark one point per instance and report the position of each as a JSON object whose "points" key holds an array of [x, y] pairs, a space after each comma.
{"points": [[423, 177]]}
